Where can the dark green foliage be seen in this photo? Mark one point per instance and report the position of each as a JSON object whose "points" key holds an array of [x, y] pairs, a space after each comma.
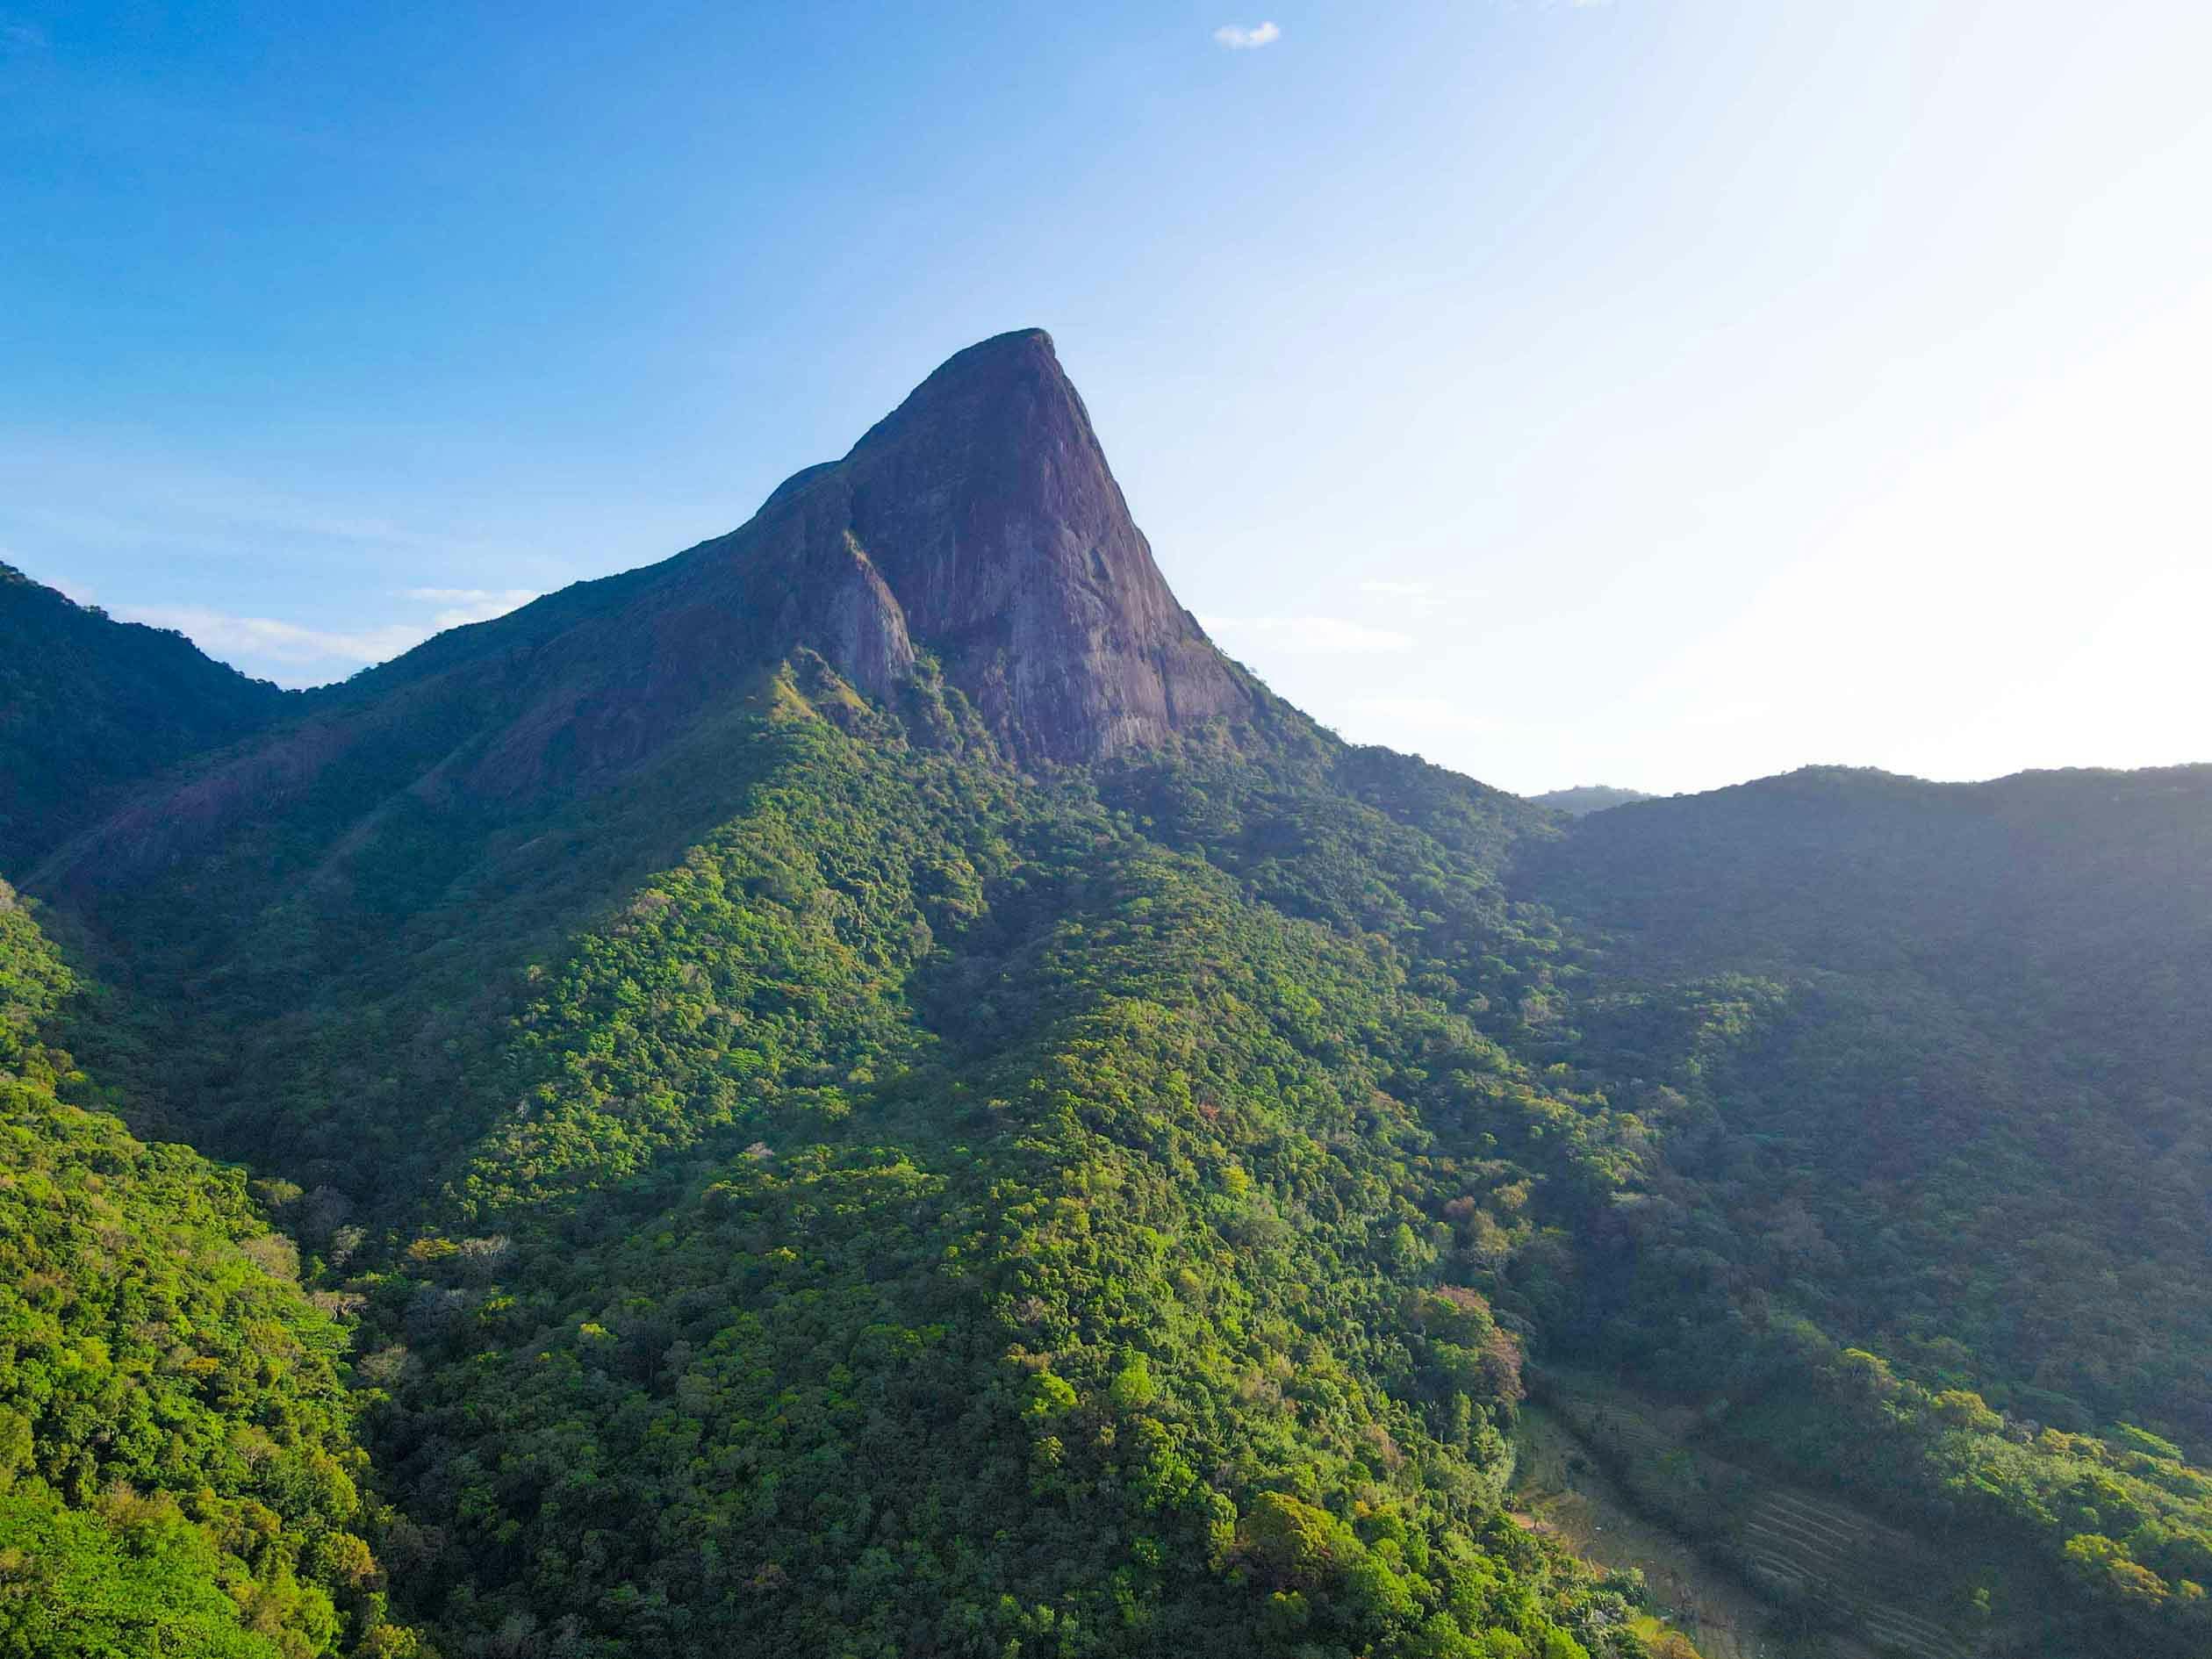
{"points": [[88, 706]]}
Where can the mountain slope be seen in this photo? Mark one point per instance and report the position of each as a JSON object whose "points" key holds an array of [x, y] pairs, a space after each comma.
{"points": [[1936, 1081], [89, 706], [1982, 1053], [978, 1282], [877, 1096], [798, 1032]]}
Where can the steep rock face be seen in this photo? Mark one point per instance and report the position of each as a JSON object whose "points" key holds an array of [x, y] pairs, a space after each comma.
{"points": [[979, 522], [987, 502]]}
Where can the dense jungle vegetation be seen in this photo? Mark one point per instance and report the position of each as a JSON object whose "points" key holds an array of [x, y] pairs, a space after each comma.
{"points": [[841, 1193]]}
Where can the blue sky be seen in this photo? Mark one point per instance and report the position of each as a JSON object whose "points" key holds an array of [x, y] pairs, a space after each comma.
{"points": [[1654, 393]]}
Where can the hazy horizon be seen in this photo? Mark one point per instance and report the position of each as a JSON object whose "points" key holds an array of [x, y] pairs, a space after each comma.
{"points": [[1571, 394]]}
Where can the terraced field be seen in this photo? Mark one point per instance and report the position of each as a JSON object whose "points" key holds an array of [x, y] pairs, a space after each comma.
{"points": [[1860, 1573], [1880, 1590]]}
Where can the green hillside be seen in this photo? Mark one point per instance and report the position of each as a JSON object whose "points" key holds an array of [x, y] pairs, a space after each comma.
{"points": [[917, 1107], [924, 1128], [788, 1141], [1933, 1089]]}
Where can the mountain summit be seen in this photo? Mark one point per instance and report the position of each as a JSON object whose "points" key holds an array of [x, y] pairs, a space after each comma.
{"points": [[981, 520], [977, 522], [994, 519]]}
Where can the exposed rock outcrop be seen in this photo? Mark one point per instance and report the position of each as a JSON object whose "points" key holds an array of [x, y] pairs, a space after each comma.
{"points": [[986, 506]]}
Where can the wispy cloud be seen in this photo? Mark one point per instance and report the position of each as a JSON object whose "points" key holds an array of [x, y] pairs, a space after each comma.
{"points": [[1316, 635], [1419, 589], [1396, 590], [1241, 37], [183, 518], [17, 36], [264, 638], [261, 640]]}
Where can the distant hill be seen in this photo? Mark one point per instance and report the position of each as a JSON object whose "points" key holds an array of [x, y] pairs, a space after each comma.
{"points": [[1584, 798], [1979, 1060], [89, 706]]}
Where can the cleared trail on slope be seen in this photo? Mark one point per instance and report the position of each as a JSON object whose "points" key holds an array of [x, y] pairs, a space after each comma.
{"points": [[1562, 1491]]}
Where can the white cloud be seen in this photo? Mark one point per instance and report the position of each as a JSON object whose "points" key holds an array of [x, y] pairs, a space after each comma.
{"points": [[265, 640], [1385, 588], [263, 637], [1330, 635], [1238, 38]]}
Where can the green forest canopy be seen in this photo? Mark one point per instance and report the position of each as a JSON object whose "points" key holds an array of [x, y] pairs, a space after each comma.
{"points": [[840, 1193]]}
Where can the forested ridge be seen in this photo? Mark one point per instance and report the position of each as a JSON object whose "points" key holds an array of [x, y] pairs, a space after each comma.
{"points": [[89, 706], [755, 1159]]}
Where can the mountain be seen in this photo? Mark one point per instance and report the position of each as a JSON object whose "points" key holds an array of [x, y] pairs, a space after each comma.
{"points": [[978, 527], [89, 706], [1585, 799], [863, 1090], [759, 899]]}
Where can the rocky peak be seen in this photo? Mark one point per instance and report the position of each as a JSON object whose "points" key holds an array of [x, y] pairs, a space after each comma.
{"points": [[985, 507]]}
